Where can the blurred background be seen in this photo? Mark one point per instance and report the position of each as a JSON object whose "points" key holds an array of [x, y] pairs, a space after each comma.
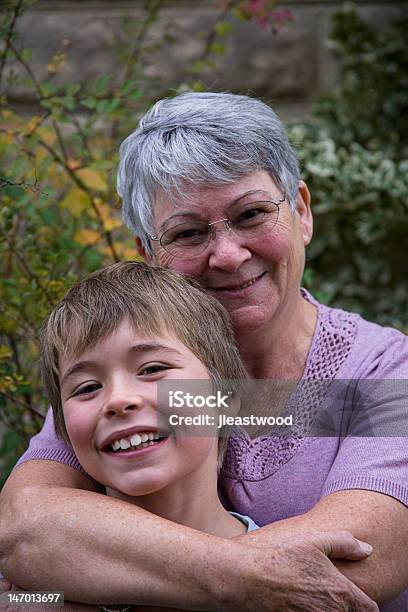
{"points": [[76, 76]]}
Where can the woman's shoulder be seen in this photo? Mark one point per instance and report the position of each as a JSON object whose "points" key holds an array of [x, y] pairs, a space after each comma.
{"points": [[368, 349]]}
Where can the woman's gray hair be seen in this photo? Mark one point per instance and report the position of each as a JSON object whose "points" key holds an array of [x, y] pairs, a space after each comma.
{"points": [[195, 139]]}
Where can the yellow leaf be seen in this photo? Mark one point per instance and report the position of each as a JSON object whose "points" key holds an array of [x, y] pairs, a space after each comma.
{"points": [[131, 254], [93, 179], [87, 236], [76, 201], [104, 212], [57, 63], [40, 154], [47, 135], [32, 124], [6, 139], [73, 164]]}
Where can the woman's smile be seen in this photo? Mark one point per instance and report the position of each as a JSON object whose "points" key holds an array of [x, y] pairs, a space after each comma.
{"points": [[234, 289]]}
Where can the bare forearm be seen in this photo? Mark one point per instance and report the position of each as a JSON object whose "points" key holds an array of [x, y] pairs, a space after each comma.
{"points": [[80, 542]]}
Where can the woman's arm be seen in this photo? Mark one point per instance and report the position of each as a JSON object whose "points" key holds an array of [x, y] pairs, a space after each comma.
{"points": [[57, 533], [373, 517]]}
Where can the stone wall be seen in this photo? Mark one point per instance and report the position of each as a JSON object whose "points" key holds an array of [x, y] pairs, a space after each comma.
{"points": [[287, 69]]}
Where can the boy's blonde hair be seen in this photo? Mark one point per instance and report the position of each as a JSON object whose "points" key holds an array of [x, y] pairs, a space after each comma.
{"points": [[156, 301]]}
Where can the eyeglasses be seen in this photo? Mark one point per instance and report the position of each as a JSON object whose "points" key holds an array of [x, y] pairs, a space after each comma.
{"points": [[191, 238]]}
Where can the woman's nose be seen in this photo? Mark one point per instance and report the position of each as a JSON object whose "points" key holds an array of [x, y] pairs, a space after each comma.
{"points": [[227, 251]]}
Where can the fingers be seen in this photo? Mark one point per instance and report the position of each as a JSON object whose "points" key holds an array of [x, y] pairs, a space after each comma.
{"points": [[342, 545], [362, 603]]}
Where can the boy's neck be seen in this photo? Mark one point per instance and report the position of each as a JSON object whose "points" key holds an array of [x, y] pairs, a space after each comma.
{"points": [[192, 501]]}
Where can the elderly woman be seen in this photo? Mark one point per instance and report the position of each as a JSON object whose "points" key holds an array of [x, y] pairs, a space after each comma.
{"points": [[211, 188]]}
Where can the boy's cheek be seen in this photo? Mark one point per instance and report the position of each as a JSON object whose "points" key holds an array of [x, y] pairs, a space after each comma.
{"points": [[80, 429]]}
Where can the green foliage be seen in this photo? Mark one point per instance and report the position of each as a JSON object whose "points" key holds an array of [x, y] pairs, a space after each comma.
{"points": [[59, 213], [354, 159]]}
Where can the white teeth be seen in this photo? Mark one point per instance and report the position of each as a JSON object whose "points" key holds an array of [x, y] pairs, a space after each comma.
{"points": [[242, 286], [135, 440], [142, 440], [247, 284]]}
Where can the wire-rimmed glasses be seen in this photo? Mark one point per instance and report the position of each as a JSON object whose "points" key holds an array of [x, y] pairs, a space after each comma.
{"points": [[249, 220]]}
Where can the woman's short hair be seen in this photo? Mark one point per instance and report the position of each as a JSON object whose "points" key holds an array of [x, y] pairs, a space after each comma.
{"points": [[195, 139], [155, 301]]}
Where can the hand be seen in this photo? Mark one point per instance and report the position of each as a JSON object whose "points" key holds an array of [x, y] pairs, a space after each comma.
{"points": [[295, 575]]}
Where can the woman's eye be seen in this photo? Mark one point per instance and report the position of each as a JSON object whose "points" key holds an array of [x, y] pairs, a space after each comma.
{"points": [[154, 368], [249, 216], [87, 388]]}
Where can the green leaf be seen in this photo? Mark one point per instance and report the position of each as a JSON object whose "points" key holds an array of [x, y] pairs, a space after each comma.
{"points": [[218, 48], [68, 102], [26, 54], [48, 88], [47, 103], [89, 102], [223, 27], [11, 441], [73, 89], [101, 85]]}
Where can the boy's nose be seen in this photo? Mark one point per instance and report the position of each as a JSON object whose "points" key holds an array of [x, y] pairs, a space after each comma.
{"points": [[121, 403]]}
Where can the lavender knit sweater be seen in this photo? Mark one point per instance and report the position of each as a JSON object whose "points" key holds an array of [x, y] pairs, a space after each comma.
{"points": [[360, 443]]}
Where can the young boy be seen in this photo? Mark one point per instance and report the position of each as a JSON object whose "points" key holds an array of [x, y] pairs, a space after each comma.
{"points": [[115, 338]]}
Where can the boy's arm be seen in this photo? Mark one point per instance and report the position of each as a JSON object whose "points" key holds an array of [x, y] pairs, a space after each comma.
{"points": [[57, 533]]}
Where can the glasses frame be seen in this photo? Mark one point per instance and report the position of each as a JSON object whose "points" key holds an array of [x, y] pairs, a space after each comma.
{"points": [[211, 233]]}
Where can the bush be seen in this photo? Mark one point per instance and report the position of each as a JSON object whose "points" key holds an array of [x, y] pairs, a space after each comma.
{"points": [[354, 158]]}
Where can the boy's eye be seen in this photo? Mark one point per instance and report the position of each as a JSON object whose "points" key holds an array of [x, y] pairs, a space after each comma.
{"points": [[153, 368], [87, 388]]}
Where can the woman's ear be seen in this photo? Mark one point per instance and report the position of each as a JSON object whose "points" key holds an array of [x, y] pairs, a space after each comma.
{"points": [[305, 212], [142, 251]]}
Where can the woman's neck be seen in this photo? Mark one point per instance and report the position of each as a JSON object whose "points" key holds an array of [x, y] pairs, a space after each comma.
{"points": [[280, 352]]}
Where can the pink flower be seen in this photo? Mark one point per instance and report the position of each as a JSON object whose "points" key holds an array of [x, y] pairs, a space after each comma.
{"points": [[256, 6]]}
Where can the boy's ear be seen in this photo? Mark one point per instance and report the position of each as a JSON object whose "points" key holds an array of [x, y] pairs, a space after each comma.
{"points": [[142, 251]]}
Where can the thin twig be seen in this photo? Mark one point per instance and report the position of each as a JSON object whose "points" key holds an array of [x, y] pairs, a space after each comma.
{"points": [[134, 54], [13, 234], [27, 67], [31, 186], [16, 358], [213, 32], [82, 135], [15, 400], [28, 271], [60, 140], [9, 36]]}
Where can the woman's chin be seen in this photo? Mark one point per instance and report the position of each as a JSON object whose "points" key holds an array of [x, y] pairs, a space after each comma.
{"points": [[250, 319]]}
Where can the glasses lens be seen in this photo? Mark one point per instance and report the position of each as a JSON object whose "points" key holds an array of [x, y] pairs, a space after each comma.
{"points": [[186, 239], [255, 218]]}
